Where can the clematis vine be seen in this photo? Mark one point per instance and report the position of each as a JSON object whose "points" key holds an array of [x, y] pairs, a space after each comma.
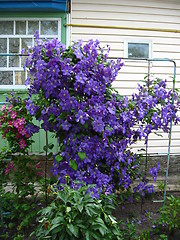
{"points": [[71, 94]]}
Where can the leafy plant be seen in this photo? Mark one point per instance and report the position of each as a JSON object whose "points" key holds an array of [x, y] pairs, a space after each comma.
{"points": [[21, 179], [161, 187], [16, 124], [129, 230], [163, 237], [75, 214], [170, 214]]}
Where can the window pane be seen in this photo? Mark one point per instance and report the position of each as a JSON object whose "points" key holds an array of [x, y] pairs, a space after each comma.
{"points": [[33, 26], [14, 48], [19, 78], [26, 43], [6, 27], [138, 50], [49, 27], [13, 61], [23, 60], [3, 49], [6, 78], [14, 45], [20, 27]]}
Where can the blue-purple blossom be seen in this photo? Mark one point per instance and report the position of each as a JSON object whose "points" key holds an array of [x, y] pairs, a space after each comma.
{"points": [[31, 108], [66, 125], [98, 125], [81, 117], [75, 100]]}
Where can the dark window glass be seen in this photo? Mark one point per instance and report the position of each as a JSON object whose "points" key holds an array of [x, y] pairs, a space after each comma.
{"points": [[138, 50]]}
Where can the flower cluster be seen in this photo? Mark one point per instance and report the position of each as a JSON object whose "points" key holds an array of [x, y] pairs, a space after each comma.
{"points": [[16, 125], [9, 167], [95, 126]]}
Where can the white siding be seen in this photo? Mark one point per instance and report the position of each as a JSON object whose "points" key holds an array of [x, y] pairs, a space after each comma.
{"points": [[156, 14]]}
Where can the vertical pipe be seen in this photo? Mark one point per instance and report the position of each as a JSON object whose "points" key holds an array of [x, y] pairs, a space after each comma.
{"points": [[170, 133], [46, 161], [147, 138]]}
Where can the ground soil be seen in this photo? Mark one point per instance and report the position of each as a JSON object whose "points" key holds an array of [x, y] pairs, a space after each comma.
{"points": [[145, 213]]}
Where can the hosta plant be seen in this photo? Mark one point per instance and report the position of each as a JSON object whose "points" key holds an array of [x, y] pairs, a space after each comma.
{"points": [[75, 214]]}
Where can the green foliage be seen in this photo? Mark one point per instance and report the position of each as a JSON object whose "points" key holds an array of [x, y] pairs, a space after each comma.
{"points": [[75, 214], [129, 230], [170, 214], [161, 187], [19, 190], [163, 237], [145, 235]]}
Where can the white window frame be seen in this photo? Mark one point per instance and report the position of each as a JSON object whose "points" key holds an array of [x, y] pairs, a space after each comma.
{"points": [[145, 41], [15, 69]]}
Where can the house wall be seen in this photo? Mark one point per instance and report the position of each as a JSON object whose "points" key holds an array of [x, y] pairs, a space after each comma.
{"points": [[39, 138], [161, 15]]}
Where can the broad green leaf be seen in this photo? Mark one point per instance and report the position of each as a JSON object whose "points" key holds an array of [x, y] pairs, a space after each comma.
{"points": [[80, 208], [82, 155], [73, 164], [73, 229], [59, 158], [87, 236]]}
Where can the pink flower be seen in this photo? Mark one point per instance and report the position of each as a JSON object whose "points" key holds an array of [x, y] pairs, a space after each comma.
{"points": [[21, 121], [22, 130], [38, 165], [10, 124], [10, 165], [13, 114], [6, 171], [10, 107], [3, 108], [16, 124], [22, 143], [9, 168], [40, 174]]}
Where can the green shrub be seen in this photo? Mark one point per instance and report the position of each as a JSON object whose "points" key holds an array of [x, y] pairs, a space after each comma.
{"points": [[170, 214], [75, 214]]}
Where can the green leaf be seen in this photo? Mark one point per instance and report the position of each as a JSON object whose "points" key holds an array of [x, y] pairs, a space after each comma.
{"points": [[50, 146], [73, 229], [73, 164], [59, 158], [82, 155], [80, 208], [87, 236]]}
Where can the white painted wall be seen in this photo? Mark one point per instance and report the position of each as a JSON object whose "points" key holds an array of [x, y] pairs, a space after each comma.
{"points": [[159, 14]]}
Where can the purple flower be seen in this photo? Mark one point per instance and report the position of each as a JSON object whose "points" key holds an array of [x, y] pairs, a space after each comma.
{"points": [[98, 125], [31, 129], [31, 108], [81, 117], [66, 125]]}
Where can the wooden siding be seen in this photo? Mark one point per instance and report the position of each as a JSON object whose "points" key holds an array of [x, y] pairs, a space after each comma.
{"points": [[159, 14]]}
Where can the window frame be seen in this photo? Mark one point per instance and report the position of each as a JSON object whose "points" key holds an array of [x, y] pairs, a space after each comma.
{"points": [[142, 41], [25, 36]]}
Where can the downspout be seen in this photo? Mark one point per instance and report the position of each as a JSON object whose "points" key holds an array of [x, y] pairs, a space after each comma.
{"points": [[122, 27], [68, 23]]}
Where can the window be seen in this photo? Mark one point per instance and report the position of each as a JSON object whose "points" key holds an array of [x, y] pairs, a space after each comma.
{"points": [[16, 35], [138, 49]]}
